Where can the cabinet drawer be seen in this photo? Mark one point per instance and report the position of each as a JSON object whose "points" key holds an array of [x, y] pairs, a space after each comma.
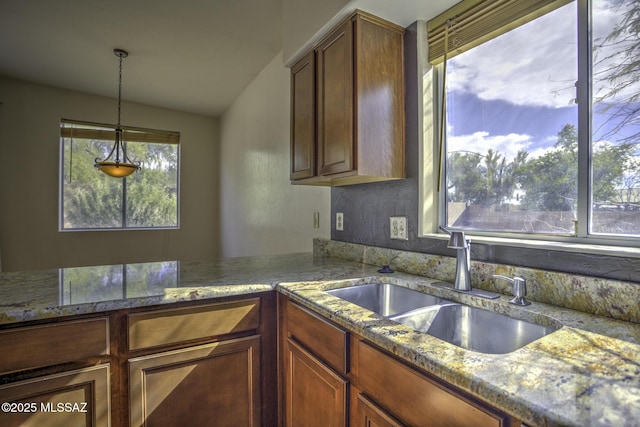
{"points": [[51, 344], [72, 398], [392, 384], [173, 326], [323, 338]]}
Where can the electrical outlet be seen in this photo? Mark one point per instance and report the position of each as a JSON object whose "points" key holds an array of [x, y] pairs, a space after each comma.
{"points": [[316, 220], [398, 227], [339, 221]]}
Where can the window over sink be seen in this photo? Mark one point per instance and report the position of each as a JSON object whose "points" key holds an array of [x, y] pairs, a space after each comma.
{"points": [[535, 123]]}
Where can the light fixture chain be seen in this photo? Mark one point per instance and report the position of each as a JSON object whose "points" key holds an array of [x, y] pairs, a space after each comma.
{"points": [[119, 90]]}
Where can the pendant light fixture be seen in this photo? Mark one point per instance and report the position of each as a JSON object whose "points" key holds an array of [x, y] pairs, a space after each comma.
{"points": [[119, 166]]}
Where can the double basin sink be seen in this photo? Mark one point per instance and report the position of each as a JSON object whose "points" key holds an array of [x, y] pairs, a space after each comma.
{"points": [[468, 327]]}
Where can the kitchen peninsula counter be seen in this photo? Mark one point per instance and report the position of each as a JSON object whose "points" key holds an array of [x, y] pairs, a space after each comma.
{"points": [[36, 295], [585, 374]]}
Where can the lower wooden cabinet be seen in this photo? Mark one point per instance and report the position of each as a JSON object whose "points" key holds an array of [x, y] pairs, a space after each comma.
{"points": [[416, 399], [371, 415], [383, 390], [188, 364], [315, 395], [215, 384], [77, 398]]}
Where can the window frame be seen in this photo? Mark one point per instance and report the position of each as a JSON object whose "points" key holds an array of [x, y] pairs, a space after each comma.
{"points": [[431, 213], [164, 137]]}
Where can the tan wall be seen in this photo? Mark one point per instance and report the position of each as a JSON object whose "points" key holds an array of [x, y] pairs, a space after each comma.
{"points": [[29, 151], [262, 213]]}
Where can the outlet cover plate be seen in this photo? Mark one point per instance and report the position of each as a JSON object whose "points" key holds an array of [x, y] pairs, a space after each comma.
{"points": [[339, 221], [398, 227]]}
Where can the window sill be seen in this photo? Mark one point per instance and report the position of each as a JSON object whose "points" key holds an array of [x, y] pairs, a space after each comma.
{"points": [[617, 251]]}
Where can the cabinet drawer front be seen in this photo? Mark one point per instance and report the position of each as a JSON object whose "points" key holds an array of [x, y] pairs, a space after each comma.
{"points": [[326, 340], [51, 344], [172, 326], [392, 384], [73, 398]]}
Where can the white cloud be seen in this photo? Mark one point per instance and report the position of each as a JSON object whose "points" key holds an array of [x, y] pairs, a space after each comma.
{"points": [[507, 145], [533, 65], [480, 142]]}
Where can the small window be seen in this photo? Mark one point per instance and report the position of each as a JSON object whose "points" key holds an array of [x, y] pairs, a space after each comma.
{"points": [[91, 200]]}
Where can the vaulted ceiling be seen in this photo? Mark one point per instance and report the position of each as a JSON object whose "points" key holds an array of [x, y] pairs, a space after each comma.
{"points": [[193, 55]]}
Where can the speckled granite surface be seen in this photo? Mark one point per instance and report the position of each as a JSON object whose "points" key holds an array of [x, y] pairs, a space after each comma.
{"points": [[576, 376], [585, 374], [37, 295], [610, 298]]}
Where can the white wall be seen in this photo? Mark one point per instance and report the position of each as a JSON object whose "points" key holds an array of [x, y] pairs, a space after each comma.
{"points": [[29, 150], [303, 21], [262, 213]]}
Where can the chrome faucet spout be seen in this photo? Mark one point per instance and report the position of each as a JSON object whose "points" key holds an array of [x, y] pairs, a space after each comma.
{"points": [[463, 260]]}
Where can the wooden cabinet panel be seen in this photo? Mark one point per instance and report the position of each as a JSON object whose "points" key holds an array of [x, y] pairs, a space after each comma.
{"points": [[380, 98], [172, 326], [303, 117], [359, 104], [214, 384], [393, 385], [315, 395], [371, 415], [72, 399], [335, 102], [326, 340], [54, 343]]}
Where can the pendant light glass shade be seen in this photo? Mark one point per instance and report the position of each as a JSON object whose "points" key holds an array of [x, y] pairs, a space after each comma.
{"points": [[117, 164]]}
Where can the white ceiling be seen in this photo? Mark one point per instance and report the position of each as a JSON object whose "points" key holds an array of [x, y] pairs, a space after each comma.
{"points": [[192, 55]]}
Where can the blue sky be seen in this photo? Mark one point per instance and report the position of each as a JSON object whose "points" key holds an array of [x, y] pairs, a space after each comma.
{"points": [[517, 91]]}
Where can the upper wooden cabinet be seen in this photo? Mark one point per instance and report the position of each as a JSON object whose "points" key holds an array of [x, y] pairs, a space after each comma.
{"points": [[347, 106], [303, 121]]}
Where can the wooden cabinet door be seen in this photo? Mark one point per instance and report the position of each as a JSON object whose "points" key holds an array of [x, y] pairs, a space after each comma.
{"points": [[371, 415], [335, 102], [392, 384], [215, 384], [303, 117], [78, 398], [315, 395]]}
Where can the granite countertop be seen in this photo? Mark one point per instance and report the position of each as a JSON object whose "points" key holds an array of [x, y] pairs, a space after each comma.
{"points": [[585, 374], [35, 295], [579, 375]]}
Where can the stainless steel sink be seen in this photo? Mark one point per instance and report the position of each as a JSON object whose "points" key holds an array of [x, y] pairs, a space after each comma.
{"points": [[385, 299], [468, 327], [474, 328]]}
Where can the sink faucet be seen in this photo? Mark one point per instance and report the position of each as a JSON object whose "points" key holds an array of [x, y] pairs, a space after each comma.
{"points": [[458, 241], [462, 245]]}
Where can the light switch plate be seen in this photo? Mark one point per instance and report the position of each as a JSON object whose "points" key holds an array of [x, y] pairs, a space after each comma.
{"points": [[398, 227]]}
